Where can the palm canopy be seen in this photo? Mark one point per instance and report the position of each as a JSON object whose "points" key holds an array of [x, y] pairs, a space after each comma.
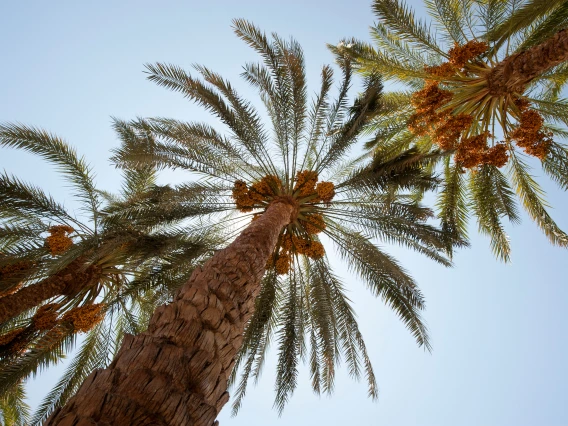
{"points": [[482, 81], [304, 157], [102, 273]]}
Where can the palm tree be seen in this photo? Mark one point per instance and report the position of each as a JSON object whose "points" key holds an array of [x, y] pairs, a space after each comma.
{"points": [[484, 87], [284, 188], [101, 274]]}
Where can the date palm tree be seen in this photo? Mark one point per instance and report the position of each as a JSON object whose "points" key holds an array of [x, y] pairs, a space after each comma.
{"points": [[291, 189], [102, 273], [483, 81]]}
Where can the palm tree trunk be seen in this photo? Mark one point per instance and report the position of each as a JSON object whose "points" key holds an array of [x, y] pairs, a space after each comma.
{"points": [[66, 282], [176, 372], [514, 72]]}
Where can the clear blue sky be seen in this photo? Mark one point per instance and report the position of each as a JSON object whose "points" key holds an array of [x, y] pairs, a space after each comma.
{"points": [[499, 331]]}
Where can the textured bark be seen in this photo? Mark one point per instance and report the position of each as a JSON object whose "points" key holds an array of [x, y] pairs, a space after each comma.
{"points": [[66, 282], [176, 372], [513, 73]]}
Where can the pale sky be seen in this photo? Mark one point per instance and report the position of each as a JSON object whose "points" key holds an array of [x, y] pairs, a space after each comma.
{"points": [[498, 331]]}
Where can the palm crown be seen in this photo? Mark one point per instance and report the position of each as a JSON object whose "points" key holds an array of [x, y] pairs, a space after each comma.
{"points": [[102, 274], [302, 160], [485, 87]]}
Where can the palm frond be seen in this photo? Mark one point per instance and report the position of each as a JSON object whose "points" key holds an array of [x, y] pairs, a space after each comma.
{"points": [[20, 201], [556, 21], [385, 278], [171, 143], [556, 164], [235, 115], [452, 205], [491, 14], [451, 17], [317, 116], [348, 337], [256, 338], [491, 200], [384, 63], [56, 151], [93, 354], [13, 409], [249, 126], [401, 20], [396, 223], [554, 111], [288, 338], [531, 196], [405, 171], [523, 16], [387, 41], [363, 109], [47, 351], [19, 236]]}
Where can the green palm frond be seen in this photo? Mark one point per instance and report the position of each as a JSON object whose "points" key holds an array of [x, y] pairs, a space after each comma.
{"points": [[164, 205], [385, 278], [407, 170], [13, 409], [552, 82], [388, 65], [394, 44], [316, 312], [451, 17], [556, 21], [491, 200], [531, 196], [397, 223], [491, 14], [523, 16], [235, 116], [93, 354], [349, 337], [452, 204], [317, 116], [556, 165], [193, 147], [54, 150], [401, 20], [18, 237], [362, 110], [257, 338], [24, 202], [554, 111], [45, 352]]}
